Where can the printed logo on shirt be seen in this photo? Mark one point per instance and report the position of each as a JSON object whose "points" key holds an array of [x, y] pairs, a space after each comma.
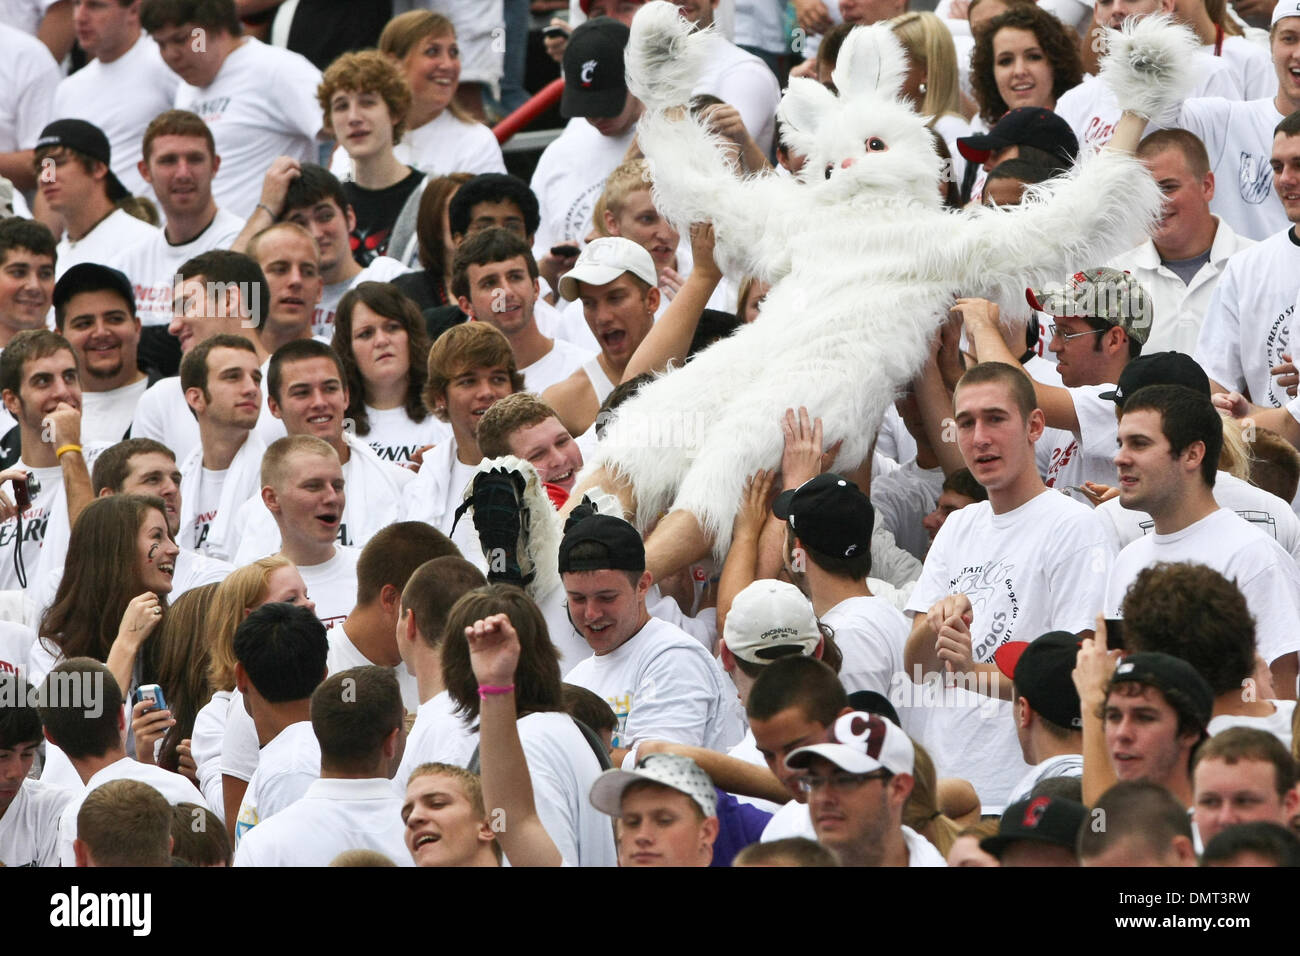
{"points": [[1279, 334], [989, 586], [34, 522], [331, 621], [1097, 133], [202, 525], [1255, 178], [577, 220], [322, 322], [343, 537], [1060, 458], [622, 706], [211, 110], [395, 453]]}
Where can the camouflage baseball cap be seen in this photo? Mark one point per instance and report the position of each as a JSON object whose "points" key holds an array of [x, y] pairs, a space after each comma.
{"points": [[1101, 293]]}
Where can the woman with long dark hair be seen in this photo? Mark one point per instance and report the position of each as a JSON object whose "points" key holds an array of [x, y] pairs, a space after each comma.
{"points": [[380, 339]]}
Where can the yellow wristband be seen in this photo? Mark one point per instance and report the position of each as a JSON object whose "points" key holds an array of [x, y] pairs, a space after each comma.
{"points": [[63, 449]]}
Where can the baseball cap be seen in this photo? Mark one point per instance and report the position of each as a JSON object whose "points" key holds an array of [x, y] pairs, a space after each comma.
{"points": [[1101, 293], [1284, 9], [604, 260], [1168, 673], [594, 84], [88, 139], [861, 743], [668, 770], [1041, 670], [830, 514], [1024, 126], [1053, 820], [624, 550], [770, 619], [92, 276], [1159, 368]]}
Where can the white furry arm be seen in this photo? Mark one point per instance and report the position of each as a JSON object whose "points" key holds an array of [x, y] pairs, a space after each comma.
{"points": [[1101, 208]]}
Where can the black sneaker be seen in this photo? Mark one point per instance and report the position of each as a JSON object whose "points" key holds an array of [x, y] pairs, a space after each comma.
{"points": [[501, 521]]}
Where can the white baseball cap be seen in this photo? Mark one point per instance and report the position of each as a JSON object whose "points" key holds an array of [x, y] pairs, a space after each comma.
{"points": [[604, 260], [1284, 9], [771, 619], [862, 743], [669, 770]]}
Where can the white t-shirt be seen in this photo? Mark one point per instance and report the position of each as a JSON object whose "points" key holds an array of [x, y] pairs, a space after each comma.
{"points": [[24, 15], [163, 415], [562, 768], [902, 500], [559, 363], [569, 178], [28, 75], [436, 493], [286, 767], [1278, 723], [1251, 66], [29, 829], [1038, 568], [173, 786], [106, 416], [662, 685], [331, 817], [1089, 453], [1239, 140], [209, 498], [871, 634], [1062, 765], [437, 736], [1177, 307], [121, 98], [794, 820], [262, 104], [742, 80], [117, 231], [381, 269], [1093, 112], [333, 585], [16, 642], [205, 747], [760, 25], [1265, 511], [1248, 324], [36, 521], [343, 655], [396, 438], [239, 746], [442, 146], [1266, 575], [151, 266]]}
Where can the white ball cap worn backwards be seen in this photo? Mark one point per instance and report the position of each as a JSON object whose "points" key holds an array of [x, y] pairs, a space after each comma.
{"points": [[604, 260], [768, 620], [668, 770], [1284, 9], [862, 743]]}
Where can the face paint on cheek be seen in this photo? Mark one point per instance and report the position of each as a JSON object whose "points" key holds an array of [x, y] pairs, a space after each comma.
{"points": [[152, 551]]}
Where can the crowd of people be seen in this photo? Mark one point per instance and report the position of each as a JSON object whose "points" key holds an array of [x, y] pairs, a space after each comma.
{"points": [[300, 566]]}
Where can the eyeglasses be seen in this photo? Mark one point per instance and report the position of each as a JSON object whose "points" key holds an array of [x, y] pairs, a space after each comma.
{"points": [[1054, 332], [842, 781]]}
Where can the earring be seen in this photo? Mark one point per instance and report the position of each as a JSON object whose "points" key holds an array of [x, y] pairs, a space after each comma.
{"points": [[921, 89]]}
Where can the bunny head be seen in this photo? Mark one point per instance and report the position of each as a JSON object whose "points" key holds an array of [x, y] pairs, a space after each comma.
{"points": [[867, 140]]}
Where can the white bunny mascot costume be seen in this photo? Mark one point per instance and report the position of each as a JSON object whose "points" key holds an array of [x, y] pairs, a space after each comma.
{"points": [[863, 261]]}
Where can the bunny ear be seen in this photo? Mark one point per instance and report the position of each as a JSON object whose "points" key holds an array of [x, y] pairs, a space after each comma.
{"points": [[804, 111], [871, 61]]}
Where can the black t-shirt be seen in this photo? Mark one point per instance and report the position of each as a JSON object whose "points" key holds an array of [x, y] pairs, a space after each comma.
{"points": [[377, 211], [323, 30]]}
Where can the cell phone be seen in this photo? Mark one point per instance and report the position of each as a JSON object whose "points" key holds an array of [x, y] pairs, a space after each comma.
{"points": [[554, 33], [22, 494], [567, 252], [1115, 633], [153, 692]]}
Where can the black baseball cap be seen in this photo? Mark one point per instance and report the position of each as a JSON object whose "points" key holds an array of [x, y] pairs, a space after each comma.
{"points": [[594, 84], [622, 546], [1159, 368], [89, 140], [1053, 820], [1041, 670], [92, 277], [1168, 674], [1025, 126], [829, 514]]}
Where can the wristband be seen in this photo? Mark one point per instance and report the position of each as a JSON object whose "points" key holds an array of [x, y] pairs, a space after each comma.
{"points": [[491, 690], [269, 212], [64, 449]]}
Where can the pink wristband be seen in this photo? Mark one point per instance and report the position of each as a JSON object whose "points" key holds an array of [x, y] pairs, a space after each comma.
{"points": [[487, 690]]}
